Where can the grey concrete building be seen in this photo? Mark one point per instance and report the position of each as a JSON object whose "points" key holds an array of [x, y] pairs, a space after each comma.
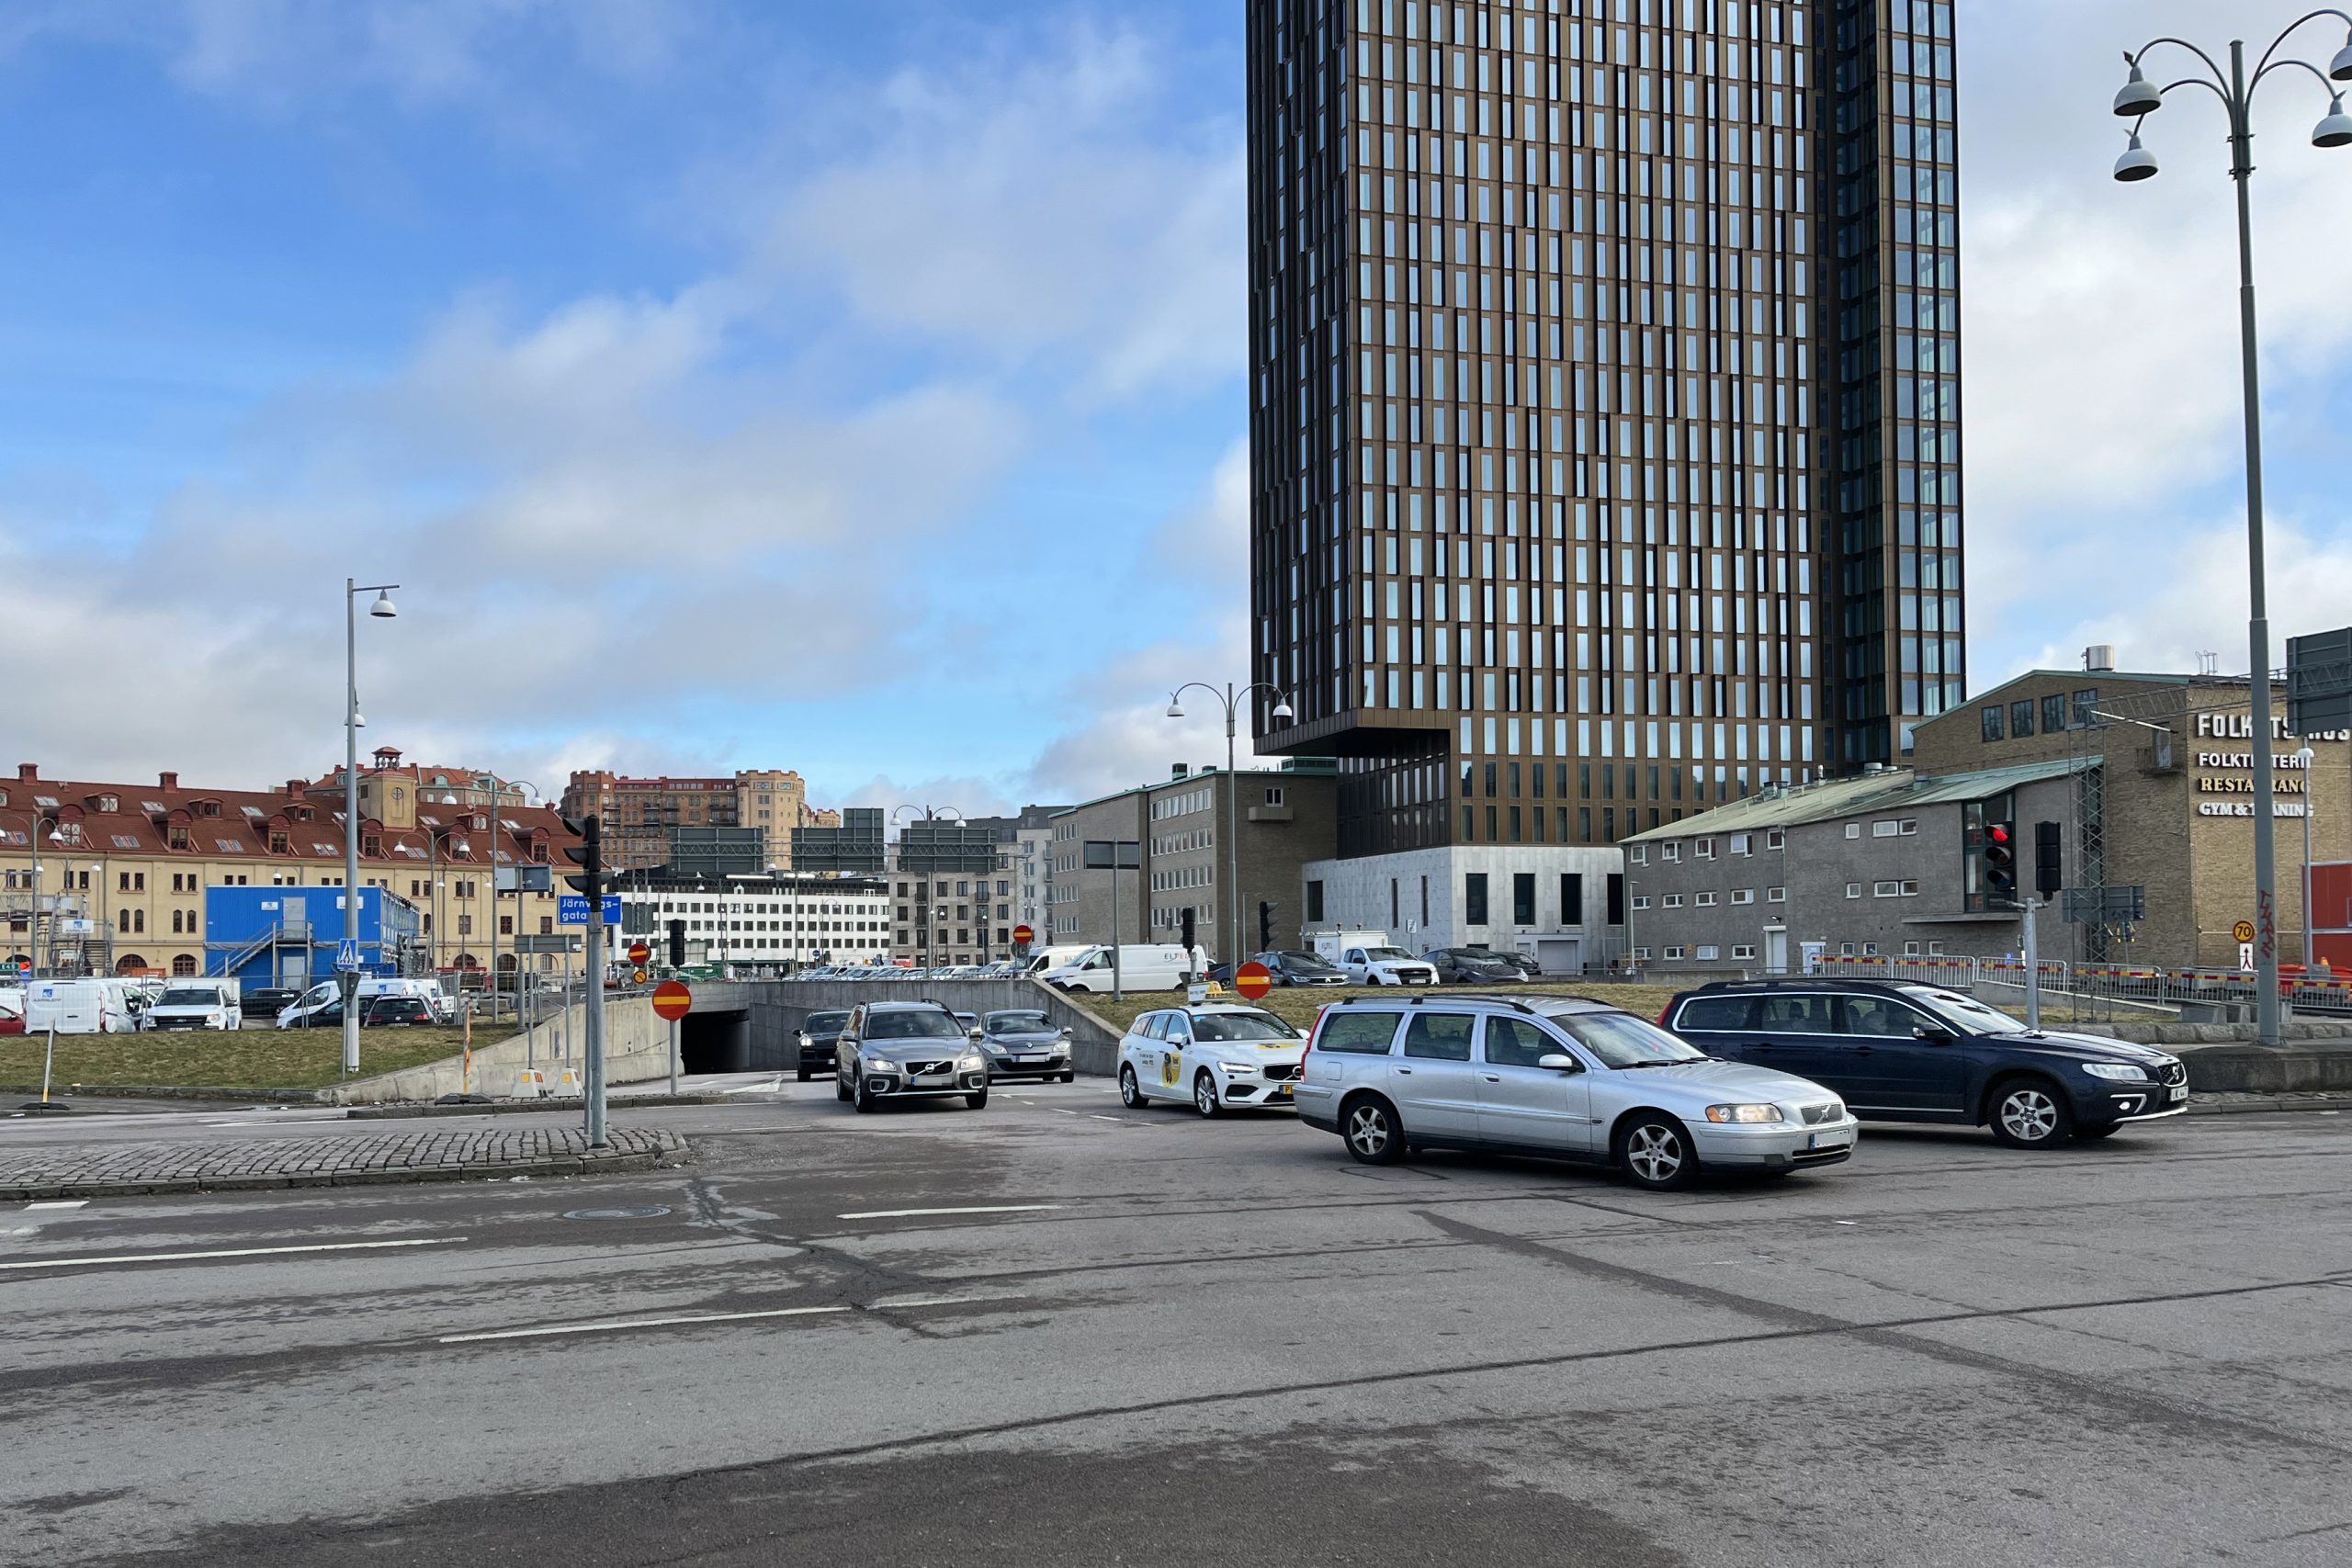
{"points": [[1285, 818], [1887, 865]]}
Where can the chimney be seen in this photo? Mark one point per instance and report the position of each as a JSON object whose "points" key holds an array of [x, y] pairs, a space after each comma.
{"points": [[296, 787], [168, 781], [2099, 656], [1179, 771], [28, 771]]}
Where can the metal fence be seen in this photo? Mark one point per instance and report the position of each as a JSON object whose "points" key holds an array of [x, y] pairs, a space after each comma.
{"points": [[2108, 990]]}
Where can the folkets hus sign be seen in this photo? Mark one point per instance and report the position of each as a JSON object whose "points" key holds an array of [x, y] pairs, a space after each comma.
{"points": [[2226, 777]]}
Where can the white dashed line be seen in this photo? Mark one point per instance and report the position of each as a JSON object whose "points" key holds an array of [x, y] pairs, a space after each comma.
{"points": [[637, 1323], [909, 1302], [59, 1203], [916, 1213], [225, 1252]]}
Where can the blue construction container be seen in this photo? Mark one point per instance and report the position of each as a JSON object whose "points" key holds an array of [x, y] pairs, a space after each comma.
{"points": [[288, 936]]}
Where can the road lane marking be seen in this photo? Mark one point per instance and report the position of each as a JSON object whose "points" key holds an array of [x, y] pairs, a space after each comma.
{"points": [[225, 1252], [1102, 1118], [908, 1301], [59, 1203], [916, 1213], [637, 1322]]}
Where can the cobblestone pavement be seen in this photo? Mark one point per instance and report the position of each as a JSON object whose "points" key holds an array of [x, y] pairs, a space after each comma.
{"points": [[343, 1160]]}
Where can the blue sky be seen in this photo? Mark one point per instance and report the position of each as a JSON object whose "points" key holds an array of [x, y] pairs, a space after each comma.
{"points": [[857, 389]]}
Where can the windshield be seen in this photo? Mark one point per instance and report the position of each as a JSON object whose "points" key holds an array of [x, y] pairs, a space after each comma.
{"points": [[1240, 1026], [188, 996], [1387, 955], [826, 1023], [924, 1025], [1018, 1023], [1302, 960], [1620, 1040], [1965, 1013]]}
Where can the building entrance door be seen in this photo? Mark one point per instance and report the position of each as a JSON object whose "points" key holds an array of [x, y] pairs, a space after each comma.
{"points": [[1776, 949]]}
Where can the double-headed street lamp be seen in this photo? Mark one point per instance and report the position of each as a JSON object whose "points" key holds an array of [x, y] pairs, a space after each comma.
{"points": [[2135, 100], [1232, 697], [382, 610]]}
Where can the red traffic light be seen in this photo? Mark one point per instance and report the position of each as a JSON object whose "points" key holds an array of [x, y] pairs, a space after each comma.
{"points": [[1997, 833]]}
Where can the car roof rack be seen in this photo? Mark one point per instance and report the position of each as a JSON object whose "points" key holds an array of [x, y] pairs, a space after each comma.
{"points": [[1471, 996]]}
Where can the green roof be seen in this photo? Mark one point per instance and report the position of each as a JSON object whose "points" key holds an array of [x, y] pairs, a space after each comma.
{"points": [[1798, 804]]}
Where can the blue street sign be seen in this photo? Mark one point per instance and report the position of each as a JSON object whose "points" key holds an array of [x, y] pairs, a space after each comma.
{"points": [[346, 954], [572, 909]]}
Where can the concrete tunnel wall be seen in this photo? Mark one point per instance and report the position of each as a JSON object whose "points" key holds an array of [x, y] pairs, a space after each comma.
{"points": [[778, 1008]]}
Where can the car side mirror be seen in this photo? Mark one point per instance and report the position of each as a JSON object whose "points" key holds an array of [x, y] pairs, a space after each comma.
{"points": [[1933, 1035], [975, 1034], [1558, 1062], [1070, 1034]]}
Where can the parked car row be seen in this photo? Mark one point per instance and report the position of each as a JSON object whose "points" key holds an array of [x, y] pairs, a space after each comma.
{"points": [[1772, 1076]]}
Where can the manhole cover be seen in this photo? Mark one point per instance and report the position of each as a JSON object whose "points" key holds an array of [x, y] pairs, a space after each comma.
{"points": [[644, 1211]]}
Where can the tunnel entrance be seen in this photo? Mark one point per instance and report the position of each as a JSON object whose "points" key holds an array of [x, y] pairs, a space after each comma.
{"points": [[714, 1041]]}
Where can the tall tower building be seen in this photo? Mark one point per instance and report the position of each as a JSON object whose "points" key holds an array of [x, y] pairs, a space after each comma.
{"points": [[1604, 422]]}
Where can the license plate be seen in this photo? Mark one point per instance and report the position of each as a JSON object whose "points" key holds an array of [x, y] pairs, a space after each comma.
{"points": [[1837, 1140], [1282, 1091], [2177, 1093]]}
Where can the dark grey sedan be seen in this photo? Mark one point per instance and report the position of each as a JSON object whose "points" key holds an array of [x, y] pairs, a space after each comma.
{"points": [[1023, 1043]]}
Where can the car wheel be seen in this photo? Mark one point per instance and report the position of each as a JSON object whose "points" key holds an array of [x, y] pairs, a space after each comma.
{"points": [[2107, 1129], [1069, 1078], [1131, 1091], [841, 1087], [2030, 1113], [1204, 1094], [978, 1101], [803, 1074], [1655, 1152], [864, 1097], [1369, 1127]]}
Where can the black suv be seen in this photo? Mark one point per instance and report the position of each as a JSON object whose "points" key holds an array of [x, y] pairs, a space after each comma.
{"points": [[1473, 966], [820, 1033], [1294, 968], [1915, 1053]]}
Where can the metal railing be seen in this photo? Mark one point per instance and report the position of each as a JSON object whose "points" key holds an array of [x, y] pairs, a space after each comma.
{"points": [[2108, 990]]}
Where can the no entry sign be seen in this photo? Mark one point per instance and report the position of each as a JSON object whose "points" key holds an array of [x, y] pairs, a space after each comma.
{"points": [[673, 1000], [1253, 980]]}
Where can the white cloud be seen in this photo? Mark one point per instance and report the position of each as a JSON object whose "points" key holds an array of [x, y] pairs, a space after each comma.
{"points": [[1038, 204]]}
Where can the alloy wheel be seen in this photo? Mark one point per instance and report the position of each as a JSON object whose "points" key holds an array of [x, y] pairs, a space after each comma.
{"points": [[1655, 1152], [1368, 1131], [2030, 1115]]}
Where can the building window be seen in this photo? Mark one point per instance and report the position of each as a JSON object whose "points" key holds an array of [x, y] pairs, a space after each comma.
{"points": [[1745, 952], [1671, 901], [1641, 901], [1743, 896], [1670, 853], [1674, 952], [1777, 838], [2053, 713], [1638, 855], [2022, 718], [1273, 795], [1641, 956], [1708, 950], [1992, 720], [1910, 890], [1886, 830], [1474, 898], [1572, 898], [2086, 706], [1706, 849], [1886, 890], [1869, 950], [1703, 900], [1845, 949], [1776, 895], [1853, 890], [1853, 829], [1910, 950], [1522, 898], [1910, 825], [1743, 844]]}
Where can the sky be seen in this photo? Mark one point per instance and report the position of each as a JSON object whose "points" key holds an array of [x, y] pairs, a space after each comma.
{"points": [[859, 388]]}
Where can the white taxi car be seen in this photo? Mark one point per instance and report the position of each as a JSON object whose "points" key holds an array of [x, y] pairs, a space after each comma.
{"points": [[1215, 1055]]}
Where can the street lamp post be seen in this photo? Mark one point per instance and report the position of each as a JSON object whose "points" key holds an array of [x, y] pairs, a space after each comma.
{"points": [[1232, 697], [382, 610], [2135, 100], [2303, 759]]}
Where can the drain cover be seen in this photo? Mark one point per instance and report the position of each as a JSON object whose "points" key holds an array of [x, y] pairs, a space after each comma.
{"points": [[645, 1212]]}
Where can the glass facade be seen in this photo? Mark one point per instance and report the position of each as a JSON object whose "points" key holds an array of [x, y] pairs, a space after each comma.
{"points": [[1602, 472]]}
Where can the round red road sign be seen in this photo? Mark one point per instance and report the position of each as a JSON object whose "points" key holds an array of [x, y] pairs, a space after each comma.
{"points": [[1253, 980], [1024, 935], [672, 1000], [639, 952]]}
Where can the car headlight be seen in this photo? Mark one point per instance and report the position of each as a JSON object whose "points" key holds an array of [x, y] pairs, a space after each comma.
{"points": [[1745, 1114], [216, 1019], [1239, 1067], [2121, 1072], [971, 1063]]}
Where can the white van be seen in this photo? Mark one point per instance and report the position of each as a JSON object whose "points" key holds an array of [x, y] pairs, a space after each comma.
{"points": [[82, 1007], [1045, 958], [375, 985], [1154, 967], [198, 1004], [323, 1003]]}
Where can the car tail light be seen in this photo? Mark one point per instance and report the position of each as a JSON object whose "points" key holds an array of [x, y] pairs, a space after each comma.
{"points": [[1667, 1011]]}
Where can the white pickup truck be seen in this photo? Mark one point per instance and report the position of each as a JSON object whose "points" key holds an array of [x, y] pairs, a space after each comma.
{"points": [[1370, 961], [198, 1004]]}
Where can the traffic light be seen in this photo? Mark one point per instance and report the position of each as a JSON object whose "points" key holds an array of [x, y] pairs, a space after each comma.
{"points": [[588, 854], [1186, 920], [2001, 862], [2049, 872], [677, 944], [1265, 923]]}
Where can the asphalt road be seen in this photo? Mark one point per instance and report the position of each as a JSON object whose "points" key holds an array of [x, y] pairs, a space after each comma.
{"points": [[1142, 1339]]}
